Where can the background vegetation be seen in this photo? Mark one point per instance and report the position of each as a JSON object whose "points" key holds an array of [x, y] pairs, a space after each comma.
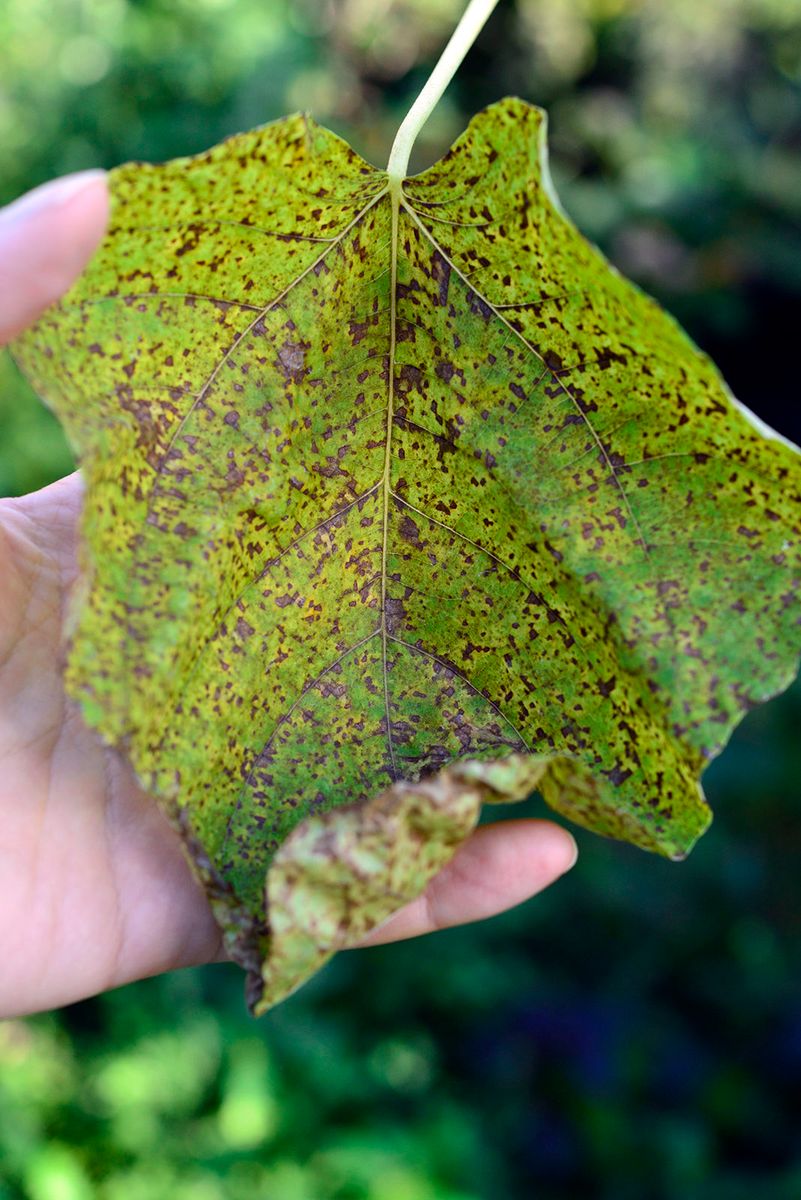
{"points": [[636, 1032]]}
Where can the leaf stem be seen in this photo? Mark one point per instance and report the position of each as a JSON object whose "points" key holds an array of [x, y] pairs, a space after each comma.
{"points": [[473, 20]]}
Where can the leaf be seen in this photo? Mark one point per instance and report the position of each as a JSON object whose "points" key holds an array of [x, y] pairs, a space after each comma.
{"points": [[382, 479]]}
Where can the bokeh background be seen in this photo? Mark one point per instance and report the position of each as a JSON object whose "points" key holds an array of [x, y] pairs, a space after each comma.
{"points": [[635, 1033]]}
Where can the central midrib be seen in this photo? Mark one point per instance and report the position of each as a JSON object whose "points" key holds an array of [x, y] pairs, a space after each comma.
{"points": [[397, 201], [395, 196]]}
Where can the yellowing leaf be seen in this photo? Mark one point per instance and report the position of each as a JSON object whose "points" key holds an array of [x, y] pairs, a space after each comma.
{"points": [[380, 478]]}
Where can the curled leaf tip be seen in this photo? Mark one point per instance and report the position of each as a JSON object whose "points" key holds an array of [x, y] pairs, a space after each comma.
{"points": [[341, 874]]}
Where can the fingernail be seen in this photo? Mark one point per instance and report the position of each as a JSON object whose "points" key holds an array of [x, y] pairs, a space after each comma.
{"points": [[574, 859], [49, 196]]}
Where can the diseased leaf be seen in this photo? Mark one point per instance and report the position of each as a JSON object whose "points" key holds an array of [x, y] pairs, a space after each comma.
{"points": [[379, 479]]}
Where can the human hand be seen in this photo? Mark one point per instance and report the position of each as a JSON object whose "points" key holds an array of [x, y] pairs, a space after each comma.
{"points": [[96, 891]]}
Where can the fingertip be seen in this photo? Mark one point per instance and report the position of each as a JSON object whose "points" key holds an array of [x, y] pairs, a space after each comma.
{"points": [[46, 239], [562, 847], [85, 212], [527, 854]]}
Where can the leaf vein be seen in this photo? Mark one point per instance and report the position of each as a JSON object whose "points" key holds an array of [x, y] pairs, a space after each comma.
{"points": [[460, 675], [282, 721]]}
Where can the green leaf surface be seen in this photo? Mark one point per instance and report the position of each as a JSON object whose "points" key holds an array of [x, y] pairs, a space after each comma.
{"points": [[382, 479]]}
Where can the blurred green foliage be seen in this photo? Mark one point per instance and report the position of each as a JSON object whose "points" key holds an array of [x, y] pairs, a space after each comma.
{"points": [[636, 1031]]}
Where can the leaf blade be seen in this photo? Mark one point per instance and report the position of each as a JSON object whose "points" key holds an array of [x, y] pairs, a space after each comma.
{"points": [[413, 484]]}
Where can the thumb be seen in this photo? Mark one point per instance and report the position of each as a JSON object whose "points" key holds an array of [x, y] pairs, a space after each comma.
{"points": [[46, 239]]}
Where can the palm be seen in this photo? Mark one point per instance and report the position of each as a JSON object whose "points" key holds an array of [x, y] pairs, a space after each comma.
{"points": [[96, 890], [95, 883]]}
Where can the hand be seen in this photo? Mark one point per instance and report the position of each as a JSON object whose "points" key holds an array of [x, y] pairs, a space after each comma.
{"points": [[95, 888]]}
